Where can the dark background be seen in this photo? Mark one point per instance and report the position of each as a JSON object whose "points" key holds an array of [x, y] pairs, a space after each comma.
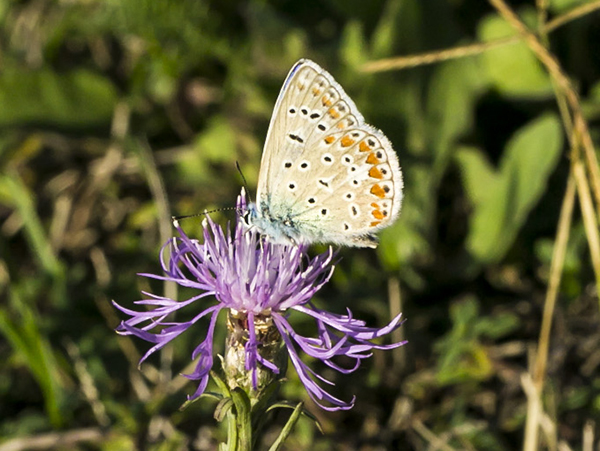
{"points": [[116, 114]]}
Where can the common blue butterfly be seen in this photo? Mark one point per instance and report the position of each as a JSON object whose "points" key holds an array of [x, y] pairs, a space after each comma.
{"points": [[326, 176]]}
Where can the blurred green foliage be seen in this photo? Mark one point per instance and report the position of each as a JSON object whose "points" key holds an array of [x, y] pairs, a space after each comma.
{"points": [[78, 98], [503, 198], [462, 354], [515, 58], [86, 86]]}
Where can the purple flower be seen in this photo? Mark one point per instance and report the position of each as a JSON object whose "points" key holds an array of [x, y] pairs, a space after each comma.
{"points": [[261, 283]]}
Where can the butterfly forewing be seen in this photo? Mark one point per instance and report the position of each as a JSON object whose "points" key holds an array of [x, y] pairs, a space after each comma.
{"points": [[296, 116]]}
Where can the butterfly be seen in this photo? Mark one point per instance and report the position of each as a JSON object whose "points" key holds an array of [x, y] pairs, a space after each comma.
{"points": [[325, 176]]}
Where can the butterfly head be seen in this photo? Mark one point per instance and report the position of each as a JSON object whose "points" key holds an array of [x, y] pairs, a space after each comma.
{"points": [[279, 229]]}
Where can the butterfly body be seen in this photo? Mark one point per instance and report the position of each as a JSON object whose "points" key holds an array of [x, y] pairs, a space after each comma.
{"points": [[281, 224], [326, 176]]}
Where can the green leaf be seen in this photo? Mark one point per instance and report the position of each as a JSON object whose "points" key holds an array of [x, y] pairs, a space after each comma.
{"points": [[559, 6], [24, 202], [206, 394], [220, 383], [291, 405], [464, 364], [387, 30], [399, 22], [29, 343], [502, 199], [78, 98], [353, 48], [477, 172], [215, 144], [454, 89], [499, 326], [463, 314], [513, 68], [223, 408], [287, 429], [484, 188], [462, 357]]}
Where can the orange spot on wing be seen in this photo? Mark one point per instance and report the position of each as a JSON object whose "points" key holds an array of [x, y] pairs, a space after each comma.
{"points": [[363, 147], [375, 223], [329, 139], [375, 205], [341, 125], [334, 114], [300, 86], [346, 141], [325, 101], [372, 159], [378, 191], [377, 214], [316, 91], [375, 173]]}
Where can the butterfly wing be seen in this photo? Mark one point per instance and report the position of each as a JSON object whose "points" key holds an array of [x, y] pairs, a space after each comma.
{"points": [[284, 140], [326, 176]]}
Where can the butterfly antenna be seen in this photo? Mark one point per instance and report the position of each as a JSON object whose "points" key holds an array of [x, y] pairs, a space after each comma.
{"points": [[237, 165], [176, 219]]}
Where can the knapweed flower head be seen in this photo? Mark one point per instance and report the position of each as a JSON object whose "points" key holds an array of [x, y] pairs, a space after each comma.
{"points": [[259, 283]]}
